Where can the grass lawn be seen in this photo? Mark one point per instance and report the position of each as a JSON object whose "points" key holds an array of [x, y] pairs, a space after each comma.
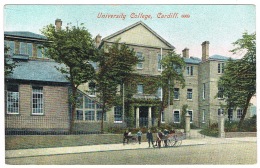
{"points": [[47, 141]]}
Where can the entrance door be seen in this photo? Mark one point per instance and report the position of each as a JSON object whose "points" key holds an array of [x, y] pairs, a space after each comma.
{"points": [[143, 116]]}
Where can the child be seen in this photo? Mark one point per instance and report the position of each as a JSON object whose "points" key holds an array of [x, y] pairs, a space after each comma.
{"points": [[139, 135]]}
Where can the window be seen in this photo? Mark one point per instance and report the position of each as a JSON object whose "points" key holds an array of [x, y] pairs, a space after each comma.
{"points": [[189, 94], [220, 92], [30, 49], [12, 99], [176, 116], [220, 111], [159, 93], [92, 89], [23, 48], [79, 115], [90, 115], [230, 114], [118, 114], [221, 67], [140, 60], [99, 115], [203, 116], [163, 117], [87, 109], [80, 101], [191, 117], [190, 70], [41, 51], [176, 93], [140, 89], [177, 68], [204, 91], [37, 100], [239, 113], [10, 45], [159, 65], [89, 104]]}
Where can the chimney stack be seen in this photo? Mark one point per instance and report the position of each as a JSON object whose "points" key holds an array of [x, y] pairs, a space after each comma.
{"points": [[185, 53], [205, 50], [58, 24], [98, 40]]}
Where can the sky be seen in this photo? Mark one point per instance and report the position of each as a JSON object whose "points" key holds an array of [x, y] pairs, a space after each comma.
{"points": [[221, 25]]}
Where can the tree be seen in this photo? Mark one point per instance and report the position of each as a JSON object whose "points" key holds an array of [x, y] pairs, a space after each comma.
{"points": [[172, 65], [239, 78], [9, 63], [74, 48], [116, 64]]}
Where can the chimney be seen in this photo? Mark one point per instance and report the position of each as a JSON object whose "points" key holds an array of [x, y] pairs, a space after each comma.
{"points": [[205, 50], [58, 24], [185, 53], [98, 40]]}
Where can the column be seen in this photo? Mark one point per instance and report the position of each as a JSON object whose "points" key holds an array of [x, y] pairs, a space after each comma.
{"points": [[221, 131], [137, 117], [187, 125], [149, 117]]}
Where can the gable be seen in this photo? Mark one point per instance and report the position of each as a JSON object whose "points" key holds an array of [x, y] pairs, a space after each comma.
{"points": [[139, 35]]}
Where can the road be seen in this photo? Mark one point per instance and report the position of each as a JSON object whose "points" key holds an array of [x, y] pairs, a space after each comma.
{"points": [[239, 153]]}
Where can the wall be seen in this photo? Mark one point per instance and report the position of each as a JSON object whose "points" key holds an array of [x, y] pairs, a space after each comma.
{"points": [[56, 116]]}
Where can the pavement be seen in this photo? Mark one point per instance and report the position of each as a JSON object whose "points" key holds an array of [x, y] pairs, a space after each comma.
{"points": [[115, 147]]}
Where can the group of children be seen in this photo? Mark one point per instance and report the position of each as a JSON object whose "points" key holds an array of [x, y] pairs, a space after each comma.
{"points": [[149, 135]]}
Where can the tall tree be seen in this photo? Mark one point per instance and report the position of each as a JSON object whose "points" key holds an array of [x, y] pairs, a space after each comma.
{"points": [[239, 78], [172, 65], [73, 47], [116, 63]]}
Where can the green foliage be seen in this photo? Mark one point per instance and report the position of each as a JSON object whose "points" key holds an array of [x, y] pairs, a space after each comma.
{"points": [[210, 132], [9, 63], [173, 65], [115, 66], [150, 84], [73, 47], [249, 125], [239, 78]]}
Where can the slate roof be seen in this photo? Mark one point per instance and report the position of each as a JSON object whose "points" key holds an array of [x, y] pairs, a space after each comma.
{"points": [[219, 57], [37, 70], [25, 34], [192, 60], [134, 25]]}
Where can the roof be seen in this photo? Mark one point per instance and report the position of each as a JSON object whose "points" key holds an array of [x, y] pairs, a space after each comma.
{"points": [[219, 57], [192, 60], [134, 25], [24, 34], [36, 70]]}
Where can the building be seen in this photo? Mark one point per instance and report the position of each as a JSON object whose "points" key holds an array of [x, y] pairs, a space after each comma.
{"points": [[36, 94], [201, 93]]}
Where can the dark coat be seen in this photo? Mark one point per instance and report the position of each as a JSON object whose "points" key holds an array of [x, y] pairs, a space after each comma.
{"points": [[149, 135]]}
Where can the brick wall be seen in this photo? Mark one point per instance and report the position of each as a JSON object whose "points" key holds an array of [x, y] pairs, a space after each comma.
{"points": [[55, 110]]}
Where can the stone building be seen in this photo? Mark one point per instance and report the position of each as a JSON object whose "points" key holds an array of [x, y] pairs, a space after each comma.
{"points": [[201, 93], [37, 94]]}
